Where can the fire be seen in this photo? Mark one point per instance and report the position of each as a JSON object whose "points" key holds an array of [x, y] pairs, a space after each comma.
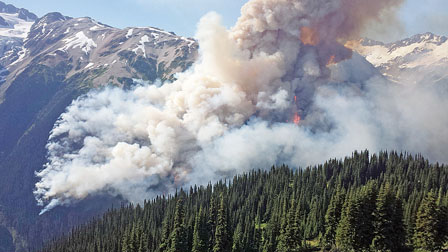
{"points": [[308, 36], [331, 60], [296, 118]]}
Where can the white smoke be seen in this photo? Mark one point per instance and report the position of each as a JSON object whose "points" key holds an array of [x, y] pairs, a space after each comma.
{"points": [[232, 111]]}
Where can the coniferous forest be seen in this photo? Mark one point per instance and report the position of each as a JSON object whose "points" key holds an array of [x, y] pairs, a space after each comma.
{"points": [[383, 202]]}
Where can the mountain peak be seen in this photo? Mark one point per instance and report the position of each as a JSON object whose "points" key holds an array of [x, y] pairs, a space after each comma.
{"points": [[428, 37], [52, 17], [422, 58], [22, 13]]}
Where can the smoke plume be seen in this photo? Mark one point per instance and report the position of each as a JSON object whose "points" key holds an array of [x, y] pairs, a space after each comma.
{"points": [[279, 87]]}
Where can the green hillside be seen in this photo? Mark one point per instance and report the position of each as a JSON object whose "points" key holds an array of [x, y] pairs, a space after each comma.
{"points": [[383, 202]]}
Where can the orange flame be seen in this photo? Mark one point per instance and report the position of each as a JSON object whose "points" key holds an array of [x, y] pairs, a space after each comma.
{"points": [[308, 36], [296, 118]]}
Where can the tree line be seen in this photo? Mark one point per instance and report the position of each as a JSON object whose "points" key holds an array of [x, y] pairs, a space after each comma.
{"points": [[381, 202]]}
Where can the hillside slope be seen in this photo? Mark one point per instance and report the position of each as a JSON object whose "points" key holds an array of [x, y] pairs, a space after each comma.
{"points": [[280, 210], [44, 69]]}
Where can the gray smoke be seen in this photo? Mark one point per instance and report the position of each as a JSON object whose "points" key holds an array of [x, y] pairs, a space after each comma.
{"points": [[238, 108]]}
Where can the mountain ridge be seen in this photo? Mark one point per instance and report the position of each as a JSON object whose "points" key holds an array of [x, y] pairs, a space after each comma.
{"points": [[421, 58]]}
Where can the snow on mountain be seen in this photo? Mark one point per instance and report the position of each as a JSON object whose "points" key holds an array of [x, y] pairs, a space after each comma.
{"points": [[15, 22], [13, 26], [80, 40], [108, 55], [421, 59]]}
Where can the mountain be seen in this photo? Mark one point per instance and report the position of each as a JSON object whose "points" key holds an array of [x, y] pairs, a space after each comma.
{"points": [[346, 203], [46, 63], [423, 58], [15, 24]]}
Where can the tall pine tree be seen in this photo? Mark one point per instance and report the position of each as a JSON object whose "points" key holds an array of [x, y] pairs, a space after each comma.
{"points": [[222, 242], [179, 235], [388, 224], [200, 237], [333, 216], [427, 236]]}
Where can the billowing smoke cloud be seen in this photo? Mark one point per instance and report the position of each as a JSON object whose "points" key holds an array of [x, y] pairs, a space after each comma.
{"points": [[238, 108]]}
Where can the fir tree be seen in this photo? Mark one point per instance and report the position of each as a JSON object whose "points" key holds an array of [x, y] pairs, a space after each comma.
{"points": [[200, 233], [238, 239], [178, 235], [355, 230], [345, 233], [427, 235], [290, 236], [222, 243], [165, 243], [332, 217], [271, 233], [387, 222]]}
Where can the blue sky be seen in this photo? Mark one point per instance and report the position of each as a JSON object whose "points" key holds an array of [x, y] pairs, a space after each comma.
{"points": [[181, 16]]}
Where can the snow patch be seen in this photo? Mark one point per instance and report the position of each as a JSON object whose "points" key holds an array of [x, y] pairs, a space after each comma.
{"points": [[90, 65], [80, 40], [22, 55], [129, 34], [141, 45], [155, 35], [18, 28], [95, 28]]}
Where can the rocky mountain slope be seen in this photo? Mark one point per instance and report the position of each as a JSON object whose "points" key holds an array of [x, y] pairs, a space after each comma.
{"points": [[46, 63], [421, 59]]}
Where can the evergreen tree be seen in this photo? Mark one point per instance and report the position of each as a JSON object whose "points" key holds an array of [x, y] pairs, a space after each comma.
{"points": [[165, 243], [426, 233], [345, 232], [442, 203], [271, 233], [128, 242], [178, 235], [387, 222], [365, 218], [332, 217], [222, 243], [290, 235], [355, 230], [200, 233], [238, 239], [211, 222], [399, 235]]}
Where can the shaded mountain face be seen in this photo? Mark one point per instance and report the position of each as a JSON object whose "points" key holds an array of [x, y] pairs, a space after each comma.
{"points": [[46, 63], [422, 58]]}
